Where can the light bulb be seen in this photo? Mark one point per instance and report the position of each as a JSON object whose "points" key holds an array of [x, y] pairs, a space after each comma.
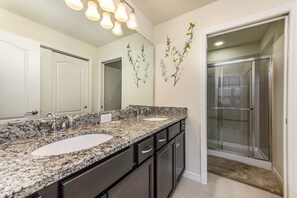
{"points": [[132, 22], [107, 5], [117, 30], [74, 4], [121, 14], [106, 21], [92, 12]]}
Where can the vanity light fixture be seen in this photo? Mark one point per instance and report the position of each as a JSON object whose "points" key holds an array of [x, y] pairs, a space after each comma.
{"points": [[117, 30], [92, 12], [219, 43], [118, 12], [121, 14], [106, 21], [132, 22], [107, 5], [74, 4]]}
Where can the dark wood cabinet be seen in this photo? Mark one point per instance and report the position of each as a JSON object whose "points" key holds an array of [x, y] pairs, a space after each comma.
{"points": [[95, 180], [140, 183], [170, 161], [179, 155], [149, 168], [164, 171]]}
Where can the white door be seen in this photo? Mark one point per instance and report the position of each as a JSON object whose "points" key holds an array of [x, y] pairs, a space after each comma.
{"points": [[19, 77], [65, 87]]}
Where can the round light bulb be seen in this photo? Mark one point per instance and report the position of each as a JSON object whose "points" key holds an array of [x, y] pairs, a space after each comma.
{"points": [[106, 21], [92, 12], [132, 22], [74, 4], [117, 30], [107, 5], [121, 14]]}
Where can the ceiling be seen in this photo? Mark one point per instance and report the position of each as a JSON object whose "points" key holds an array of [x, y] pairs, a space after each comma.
{"points": [[158, 11], [240, 37], [63, 19]]}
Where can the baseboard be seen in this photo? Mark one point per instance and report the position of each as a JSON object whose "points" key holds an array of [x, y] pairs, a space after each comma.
{"points": [[192, 176], [278, 175]]}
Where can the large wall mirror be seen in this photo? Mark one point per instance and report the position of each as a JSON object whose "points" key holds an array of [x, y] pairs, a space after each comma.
{"points": [[53, 59]]}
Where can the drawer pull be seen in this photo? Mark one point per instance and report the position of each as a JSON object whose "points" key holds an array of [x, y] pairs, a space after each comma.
{"points": [[162, 140], [183, 125], [149, 149], [177, 145]]}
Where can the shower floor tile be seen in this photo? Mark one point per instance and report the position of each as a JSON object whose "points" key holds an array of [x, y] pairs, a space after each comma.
{"points": [[246, 174]]}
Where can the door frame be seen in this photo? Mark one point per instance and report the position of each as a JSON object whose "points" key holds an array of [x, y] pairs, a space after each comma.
{"points": [[102, 63], [290, 100]]}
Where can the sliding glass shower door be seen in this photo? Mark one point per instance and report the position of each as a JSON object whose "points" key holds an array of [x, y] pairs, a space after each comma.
{"points": [[231, 107]]}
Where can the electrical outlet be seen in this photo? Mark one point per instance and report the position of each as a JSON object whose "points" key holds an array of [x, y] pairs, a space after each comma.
{"points": [[106, 118]]}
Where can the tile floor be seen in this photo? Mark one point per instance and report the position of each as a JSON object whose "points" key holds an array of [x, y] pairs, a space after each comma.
{"points": [[218, 187]]}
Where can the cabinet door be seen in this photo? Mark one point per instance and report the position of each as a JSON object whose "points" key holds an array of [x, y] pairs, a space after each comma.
{"points": [[179, 155], [138, 184], [19, 77], [165, 171]]}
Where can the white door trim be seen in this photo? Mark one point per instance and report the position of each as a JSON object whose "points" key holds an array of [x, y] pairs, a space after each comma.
{"points": [[290, 150]]}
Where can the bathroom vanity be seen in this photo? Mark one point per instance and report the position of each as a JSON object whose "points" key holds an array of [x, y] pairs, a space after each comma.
{"points": [[143, 159]]}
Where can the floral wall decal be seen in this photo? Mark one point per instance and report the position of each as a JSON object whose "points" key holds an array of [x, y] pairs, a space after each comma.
{"points": [[138, 64], [176, 56]]}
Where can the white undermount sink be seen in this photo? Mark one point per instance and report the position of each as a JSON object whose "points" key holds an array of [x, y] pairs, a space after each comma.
{"points": [[155, 119], [72, 144]]}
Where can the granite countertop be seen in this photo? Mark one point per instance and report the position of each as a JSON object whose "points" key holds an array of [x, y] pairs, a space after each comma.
{"points": [[23, 174]]}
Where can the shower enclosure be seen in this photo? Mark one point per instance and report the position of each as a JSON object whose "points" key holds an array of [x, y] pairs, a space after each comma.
{"points": [[239, 107]]}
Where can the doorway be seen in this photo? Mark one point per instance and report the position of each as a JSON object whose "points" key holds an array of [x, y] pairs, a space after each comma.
{"points": [[245, 107], [111, 85]]}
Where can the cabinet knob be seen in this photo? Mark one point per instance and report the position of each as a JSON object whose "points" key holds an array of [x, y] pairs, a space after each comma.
{"points": [[177, 145]]}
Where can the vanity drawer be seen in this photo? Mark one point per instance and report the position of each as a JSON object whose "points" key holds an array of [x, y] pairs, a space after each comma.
{"points": [[94, 181], [183, 125], [173, 130], [145, 149], [161, 139]]}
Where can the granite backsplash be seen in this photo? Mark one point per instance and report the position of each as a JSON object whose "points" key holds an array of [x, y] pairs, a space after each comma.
{"points": [[29, 128]]}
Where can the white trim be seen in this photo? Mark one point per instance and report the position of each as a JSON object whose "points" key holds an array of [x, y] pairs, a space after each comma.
{"points": [[278, 175], [290, 172], [290, 149], [238, 158], [192, 176]]}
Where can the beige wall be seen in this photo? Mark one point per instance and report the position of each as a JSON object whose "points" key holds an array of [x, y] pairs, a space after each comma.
{"points": [[273, 44], [233, 52], [187, 92], [130, 93]]}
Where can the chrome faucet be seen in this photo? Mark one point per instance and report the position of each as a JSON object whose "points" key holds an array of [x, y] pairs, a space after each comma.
{"points": [[134, 109], [52, 116], [144, 110]]}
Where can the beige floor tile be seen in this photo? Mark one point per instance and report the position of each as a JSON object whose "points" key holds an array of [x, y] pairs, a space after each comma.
{"points": [[252, 192], [224, 184], [175, 196], [211, 191], [188, 188]]}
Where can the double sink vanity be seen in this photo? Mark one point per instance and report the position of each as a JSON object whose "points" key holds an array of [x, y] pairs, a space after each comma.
{"points": [[127, 157]]}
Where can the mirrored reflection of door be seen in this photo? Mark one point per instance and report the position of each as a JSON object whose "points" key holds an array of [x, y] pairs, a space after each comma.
{"points": [[65, 84], [112, 85], [19, 77]]}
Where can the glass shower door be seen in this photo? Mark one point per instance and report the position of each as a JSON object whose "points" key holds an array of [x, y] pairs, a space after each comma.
{"points": [[230, 108]]}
